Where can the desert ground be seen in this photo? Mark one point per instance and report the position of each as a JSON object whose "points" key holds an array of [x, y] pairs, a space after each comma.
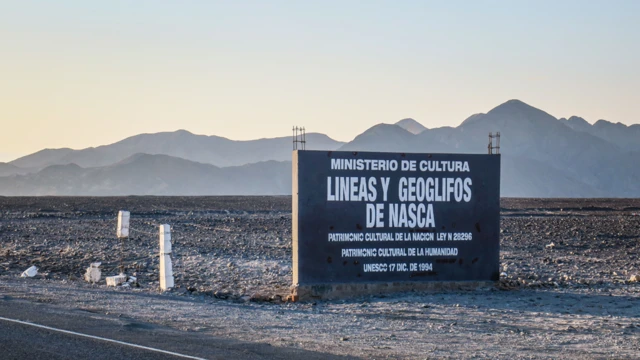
{"points": [[566, 290]]}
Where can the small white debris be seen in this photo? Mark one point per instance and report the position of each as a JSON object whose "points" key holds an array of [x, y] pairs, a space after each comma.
{"points": [[93, 274], [132, 280], [30, 272], [503, 274], [116, 280], [550, 246], [634, 278]]}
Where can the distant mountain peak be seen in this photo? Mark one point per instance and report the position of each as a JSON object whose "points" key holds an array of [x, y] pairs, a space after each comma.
{"points": [[578, 120], [602, 123], [370, 140], [411, 126], [576, 123], [515, 104], [513, 116], [517, 111], [183, 132], [383, 128]]}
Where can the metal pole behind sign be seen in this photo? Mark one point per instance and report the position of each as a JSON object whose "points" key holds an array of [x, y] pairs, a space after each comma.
{"points": [[490, 147], [299, 137]]}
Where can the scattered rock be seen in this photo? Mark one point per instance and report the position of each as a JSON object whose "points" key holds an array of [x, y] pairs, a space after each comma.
{"points": [[93, 274], [30, 272]]}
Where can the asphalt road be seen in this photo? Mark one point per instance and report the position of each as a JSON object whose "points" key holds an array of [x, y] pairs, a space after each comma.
{"points": [[22, 341]]}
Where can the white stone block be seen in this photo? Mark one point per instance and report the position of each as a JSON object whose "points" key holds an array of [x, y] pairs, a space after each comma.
{"points": [[123, 224], [116, 280]]}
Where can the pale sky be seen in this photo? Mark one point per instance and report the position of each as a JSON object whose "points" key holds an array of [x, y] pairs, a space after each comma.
{"points": [[86, 73]]}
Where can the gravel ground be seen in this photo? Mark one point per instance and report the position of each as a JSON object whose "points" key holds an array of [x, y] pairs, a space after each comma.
{"points": [[565, 292]]}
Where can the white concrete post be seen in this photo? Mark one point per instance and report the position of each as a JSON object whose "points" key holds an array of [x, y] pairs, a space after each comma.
{"points": [[123, 224], [166, 271]]}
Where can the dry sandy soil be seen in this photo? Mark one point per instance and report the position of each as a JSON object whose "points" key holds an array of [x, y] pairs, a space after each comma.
{"points": [[565, 291]]}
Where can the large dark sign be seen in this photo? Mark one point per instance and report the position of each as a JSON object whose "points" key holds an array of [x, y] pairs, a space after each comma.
{"points": [[372, 217]]}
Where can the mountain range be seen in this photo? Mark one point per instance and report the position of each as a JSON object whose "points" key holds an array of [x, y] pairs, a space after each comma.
{"points": [[213, 150], [542, 156], [627, 137]]}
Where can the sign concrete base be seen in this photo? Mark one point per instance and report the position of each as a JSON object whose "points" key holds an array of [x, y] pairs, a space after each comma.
{"points": [[350, 290]]}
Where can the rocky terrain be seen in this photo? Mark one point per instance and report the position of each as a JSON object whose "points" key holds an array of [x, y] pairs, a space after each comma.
{"points": [[568, 286], [225, 247]]}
